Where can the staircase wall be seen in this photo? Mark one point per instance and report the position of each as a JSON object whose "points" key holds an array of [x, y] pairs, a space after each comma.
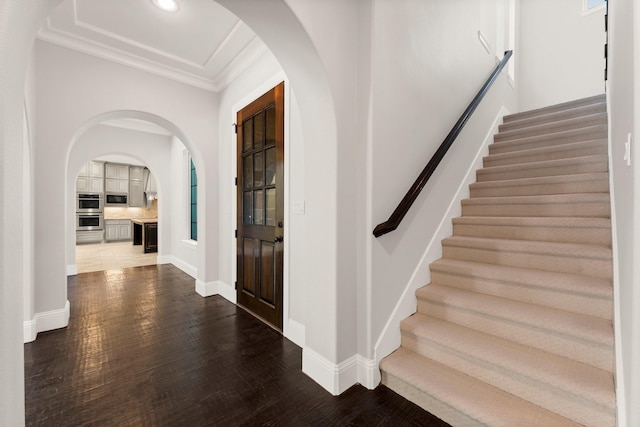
{"points": [[624, 119], [427, 64], [553, 33]]}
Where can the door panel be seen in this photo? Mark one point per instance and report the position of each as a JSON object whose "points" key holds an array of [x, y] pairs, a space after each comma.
{"points": [[260, 149]]}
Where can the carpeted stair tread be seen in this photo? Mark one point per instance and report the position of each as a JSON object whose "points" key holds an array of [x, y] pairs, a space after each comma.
{"points": [[574, 258], [581, 204], [460, 399], [558, 184], [570, 292], [558, 138], [564, 106], [596, 119], [516, 324], [562, 385], [552, 229], [584, 110], [573, 165], [584, 338], [552, 152]]}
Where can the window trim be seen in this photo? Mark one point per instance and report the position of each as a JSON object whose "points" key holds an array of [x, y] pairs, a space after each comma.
{"points": [[191, 168]]}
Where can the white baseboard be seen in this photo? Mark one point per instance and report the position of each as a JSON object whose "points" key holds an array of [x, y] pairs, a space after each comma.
{"points": [[389, 339], [368, 372], [72, 269], [336, 379], [217, 287], [295, 332], [182, 265], [46, 321]]}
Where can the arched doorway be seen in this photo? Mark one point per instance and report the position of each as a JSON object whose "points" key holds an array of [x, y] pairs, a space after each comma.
{"points": [[294, 49]]}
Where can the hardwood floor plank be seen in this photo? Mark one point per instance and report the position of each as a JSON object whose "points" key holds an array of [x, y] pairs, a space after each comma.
{"points": [[143, 349]]}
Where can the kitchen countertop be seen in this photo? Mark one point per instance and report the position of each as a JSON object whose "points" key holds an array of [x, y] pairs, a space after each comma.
{"points": [[144, 220]]}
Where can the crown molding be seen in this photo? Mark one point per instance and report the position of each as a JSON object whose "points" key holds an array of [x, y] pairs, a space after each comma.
{"points": [[250, 53], [99, 50]]}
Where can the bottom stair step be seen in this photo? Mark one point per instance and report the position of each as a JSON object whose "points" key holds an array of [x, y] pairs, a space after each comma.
{"points": [[460, 399]]}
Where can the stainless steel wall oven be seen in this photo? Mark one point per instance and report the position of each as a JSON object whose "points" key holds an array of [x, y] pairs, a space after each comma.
{"points": [[89, 221], [89, 203]]}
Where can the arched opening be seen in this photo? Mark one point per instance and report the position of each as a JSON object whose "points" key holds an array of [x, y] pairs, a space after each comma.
{"points": [[295, 51]]}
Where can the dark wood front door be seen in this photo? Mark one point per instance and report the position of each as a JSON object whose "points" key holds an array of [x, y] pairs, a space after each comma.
{"points": [[260, 146]]}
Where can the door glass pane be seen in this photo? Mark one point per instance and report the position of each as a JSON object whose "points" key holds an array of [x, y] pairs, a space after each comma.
{"points": [[270, 128], [247, 172], [258, 169], [247, 135], [258, 130], [258, 207], [270, 169], [247, 207], [271, 207]]}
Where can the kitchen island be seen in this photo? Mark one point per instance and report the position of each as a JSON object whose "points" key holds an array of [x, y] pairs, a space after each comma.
{"points": [[145, 233]]}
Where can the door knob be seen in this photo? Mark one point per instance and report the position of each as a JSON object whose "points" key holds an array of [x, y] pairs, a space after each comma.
{"points": [[278, 239]]}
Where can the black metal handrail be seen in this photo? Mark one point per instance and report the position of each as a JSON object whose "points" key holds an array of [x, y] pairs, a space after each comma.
{"points": [[403, 207]]}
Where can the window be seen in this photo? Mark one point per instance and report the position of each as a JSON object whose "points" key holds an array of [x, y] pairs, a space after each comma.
{"points": [[193, 182], [589, 6], [594, 3]]}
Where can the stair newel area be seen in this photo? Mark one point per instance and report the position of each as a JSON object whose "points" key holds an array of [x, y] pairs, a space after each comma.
{"points": [[515, 327]]}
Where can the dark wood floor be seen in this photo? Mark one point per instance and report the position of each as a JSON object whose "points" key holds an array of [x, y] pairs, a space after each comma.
{"points": [[143, 349]]}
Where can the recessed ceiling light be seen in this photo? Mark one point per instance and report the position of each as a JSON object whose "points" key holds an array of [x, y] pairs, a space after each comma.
{"points": [[168, 5]]}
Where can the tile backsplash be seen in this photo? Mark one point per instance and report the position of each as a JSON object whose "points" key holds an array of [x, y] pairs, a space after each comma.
{"points": [[113, 212]]}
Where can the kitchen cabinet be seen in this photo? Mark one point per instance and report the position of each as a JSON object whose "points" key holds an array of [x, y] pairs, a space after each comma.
{"points": [[136, 173], [116, 178], [145, 233], [117, 229], [89, 236], [136, 194], [116, 185], [91, 178]]}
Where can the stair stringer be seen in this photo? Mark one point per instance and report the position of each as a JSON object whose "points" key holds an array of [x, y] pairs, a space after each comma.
{"points": [[389, 339], [618, 370]]}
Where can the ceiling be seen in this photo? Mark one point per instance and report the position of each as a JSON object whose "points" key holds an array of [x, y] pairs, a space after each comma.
{"points": [[202, 44]]}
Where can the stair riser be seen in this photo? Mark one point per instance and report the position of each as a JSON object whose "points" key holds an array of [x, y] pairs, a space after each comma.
{"points": [[553, 117], [486, 175], [546, 297], [587, 209], [548, 396], [600, 356], [595, 236], [550, 128], [563, 264], [430, 403], [547, 141], [550, 153], [554, 108], [501, 190]]}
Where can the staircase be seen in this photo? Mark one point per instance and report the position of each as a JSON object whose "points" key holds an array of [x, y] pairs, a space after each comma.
{"points": [[515, 328]]}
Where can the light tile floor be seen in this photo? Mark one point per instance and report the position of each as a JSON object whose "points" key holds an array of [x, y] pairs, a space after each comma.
{"points": [[111, 256]]}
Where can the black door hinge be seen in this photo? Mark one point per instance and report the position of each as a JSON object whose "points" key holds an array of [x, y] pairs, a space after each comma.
{"points": [[236, 234], [235, 286], [235, 128], [236, 181]]}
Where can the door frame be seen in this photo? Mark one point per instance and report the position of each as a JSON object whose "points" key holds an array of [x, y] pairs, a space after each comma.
{"points": [[294, 331]]}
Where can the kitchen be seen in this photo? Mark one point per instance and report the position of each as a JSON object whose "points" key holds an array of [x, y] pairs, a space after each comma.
{"points": [[116, 215]]}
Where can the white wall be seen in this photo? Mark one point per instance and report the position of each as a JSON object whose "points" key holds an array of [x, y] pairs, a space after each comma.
{"points": [[624, 113], [560, 52], [76, 91], [427, 66], [184, 251]]}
